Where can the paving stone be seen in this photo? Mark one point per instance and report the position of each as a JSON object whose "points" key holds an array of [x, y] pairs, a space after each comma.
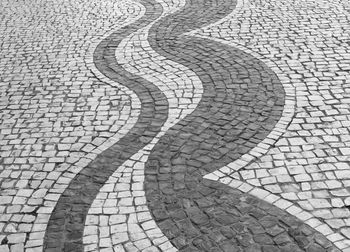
{"points": [[112, 113]]}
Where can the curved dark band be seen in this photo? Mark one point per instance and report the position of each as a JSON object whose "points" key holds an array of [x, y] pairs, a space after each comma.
{"points": [[242, 101], [66, 224]]}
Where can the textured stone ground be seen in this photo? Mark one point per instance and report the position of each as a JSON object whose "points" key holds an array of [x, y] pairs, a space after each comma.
{"points": [[174, 125]]}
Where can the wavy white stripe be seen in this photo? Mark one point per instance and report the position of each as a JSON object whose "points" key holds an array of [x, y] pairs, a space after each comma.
{"points": [[127, 223]]}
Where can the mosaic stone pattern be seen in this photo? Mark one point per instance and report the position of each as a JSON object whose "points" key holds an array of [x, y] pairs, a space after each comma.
{"points": [[174, 125]]}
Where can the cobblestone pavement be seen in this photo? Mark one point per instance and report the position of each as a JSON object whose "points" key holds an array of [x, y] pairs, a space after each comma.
{"points": [[174, 125]]}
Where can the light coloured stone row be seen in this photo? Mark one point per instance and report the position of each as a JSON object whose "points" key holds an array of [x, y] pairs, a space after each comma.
{"points": [[57, 111], [119, 217], [308, 166]]}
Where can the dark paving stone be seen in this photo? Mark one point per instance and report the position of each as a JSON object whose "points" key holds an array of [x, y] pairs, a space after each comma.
{"points": [[66, 225], [242, 101]]}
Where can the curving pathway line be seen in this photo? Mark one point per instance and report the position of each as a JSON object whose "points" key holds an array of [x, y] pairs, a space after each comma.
{"points": [[128, 223], [66, 224], [242, 102]]}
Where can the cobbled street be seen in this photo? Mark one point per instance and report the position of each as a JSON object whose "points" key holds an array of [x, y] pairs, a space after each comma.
{"points": [[175, 125]]}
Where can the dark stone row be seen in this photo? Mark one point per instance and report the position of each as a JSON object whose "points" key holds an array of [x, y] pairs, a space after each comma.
{"points": [[66, 225], [242, 101]]}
